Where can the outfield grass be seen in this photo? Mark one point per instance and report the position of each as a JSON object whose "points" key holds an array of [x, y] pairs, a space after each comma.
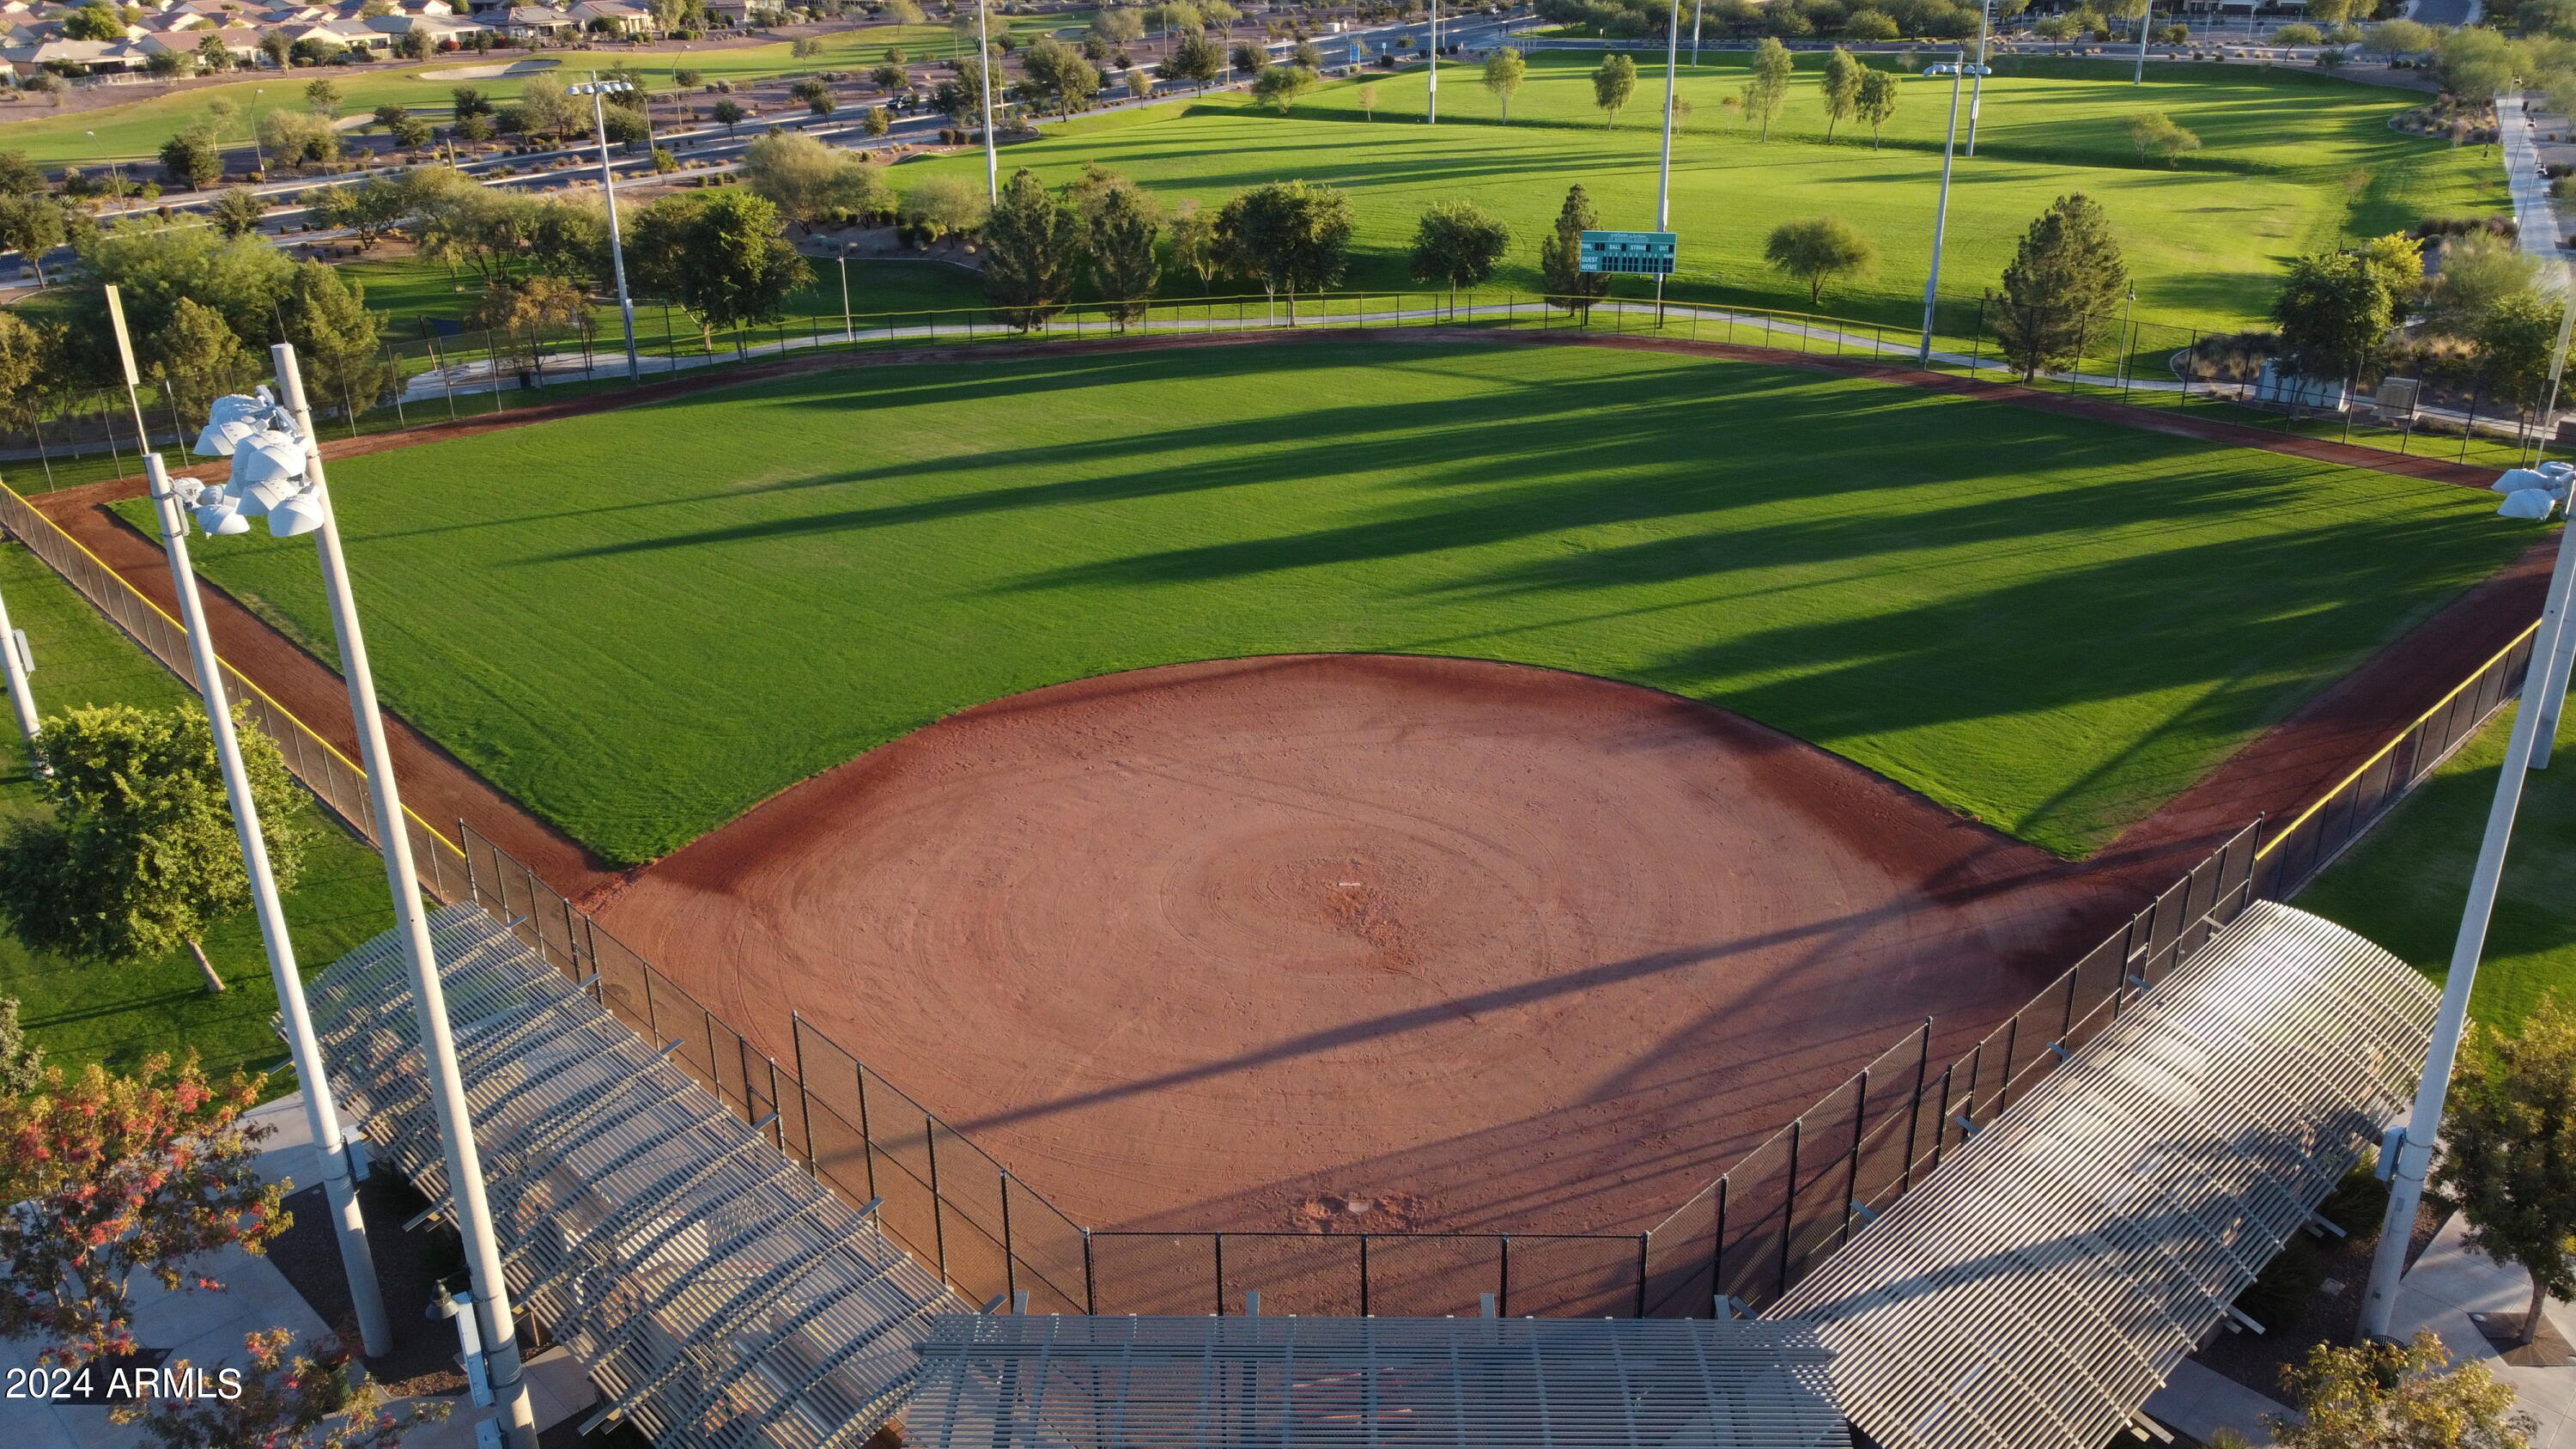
{"points": [[118, 1015], [135, 132], [2293, 162], [2405, 885], [643, 622]]}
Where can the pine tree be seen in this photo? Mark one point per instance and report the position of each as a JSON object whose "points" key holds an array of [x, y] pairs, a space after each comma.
{"points": [[197, 358], [1560, 258], [1123, 228], [339, 343], [1031, 243], [2066, 277]]}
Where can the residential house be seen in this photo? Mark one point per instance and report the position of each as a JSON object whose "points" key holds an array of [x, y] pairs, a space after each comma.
{"points": [[536, 22], [613, 15], [95, 57]]}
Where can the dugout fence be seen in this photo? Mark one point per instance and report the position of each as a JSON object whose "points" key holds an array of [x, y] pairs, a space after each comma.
{"points": [[1739, 1244]]}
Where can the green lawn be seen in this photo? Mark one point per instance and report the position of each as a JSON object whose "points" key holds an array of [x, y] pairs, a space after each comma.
{"points": [[2405, 885], [641, 623], [135, 132], [118, 1015], [2293, 162]]}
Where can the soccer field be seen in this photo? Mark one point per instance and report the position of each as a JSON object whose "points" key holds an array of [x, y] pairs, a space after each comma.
{"points": [[641, 623], [2293, 162]]}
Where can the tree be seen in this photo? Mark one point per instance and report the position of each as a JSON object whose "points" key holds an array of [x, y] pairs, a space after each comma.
{"points": [[547, 109], [1248, 57], [2476, 64], [876, 122], [940, 205], [1768, 91], [808, 181], [1032, 242], [2379, 1395], [2400, 37], [338, 341], [1294, 236], [413, 44], [805, 47], [237, 211], [1194, 243], [719, 255], [1613, 86], [31, 371], [1194, 60], [191, 158], [2333, 310], [1877, 101], [470, 101], [1818, 250], [120, 1175], [962, 99], [1060, 74], [31, 226], [19, 176], [727, 114], [139, 856], [815, 93], [1457, 244], [94, 21], [22, 1066], [2063, 279], [1842, 89], [412, 133], [2509, 1160], [1560, 258], [1281, 85], [1122, 226], [197, 358], [2157, 133], [1118, 25], [322, 97], [1504, 71], [310, 1402], [2515, 339], [275, 46], [519, 312], [298, 138], [1368, 100], [368, 208], [167, 63], [2478, 271]]}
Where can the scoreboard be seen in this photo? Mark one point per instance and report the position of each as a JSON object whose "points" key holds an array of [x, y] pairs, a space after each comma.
{"points": [[1633, 253]]}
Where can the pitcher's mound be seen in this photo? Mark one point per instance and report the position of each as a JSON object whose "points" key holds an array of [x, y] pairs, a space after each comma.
{"points": [[1325, 943]]}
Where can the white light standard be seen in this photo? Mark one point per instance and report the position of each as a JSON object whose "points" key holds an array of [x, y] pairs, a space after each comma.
{"points": [[2408, 1152], [2145, 16], [1977, 87], [321, 1113], [608, 188], [1695, 9], [20, 664], [277, 471], [847, 334], [1954, 69], [1664, 175], [1431, 115], [984, 68]]}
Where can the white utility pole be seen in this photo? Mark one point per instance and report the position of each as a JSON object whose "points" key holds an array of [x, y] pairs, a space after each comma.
{"points": [[473, 1213], [1941, 214], [1664, 175], [984, 68], [2553, 684], [616, 243], [2140, 78], [2413, 1152], [21, 698], [1431, 115], [321, 1113], [1977, 87], [1695, 9]]}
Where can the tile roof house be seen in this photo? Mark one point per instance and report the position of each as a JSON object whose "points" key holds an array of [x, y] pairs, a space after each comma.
{"points": [[625, 19]]}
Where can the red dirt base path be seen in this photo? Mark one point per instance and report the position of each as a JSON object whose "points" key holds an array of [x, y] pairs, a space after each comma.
{"points": [[1399, 941]]}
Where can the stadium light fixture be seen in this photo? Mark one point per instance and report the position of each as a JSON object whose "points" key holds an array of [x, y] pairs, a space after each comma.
{"points": [[278, 474], [170, 499], [2407, 1149], [596, 88]]}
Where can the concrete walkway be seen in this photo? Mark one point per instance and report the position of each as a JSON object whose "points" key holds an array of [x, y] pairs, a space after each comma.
{"points": [[2446, 1285], [206, 1329]]}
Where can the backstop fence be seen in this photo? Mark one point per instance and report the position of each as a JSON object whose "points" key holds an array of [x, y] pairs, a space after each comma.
{"points": [[1735, 1246], [85, 435]]}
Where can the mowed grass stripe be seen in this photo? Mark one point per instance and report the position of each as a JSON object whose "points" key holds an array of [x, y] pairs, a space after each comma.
{"points": [[642, 623]]}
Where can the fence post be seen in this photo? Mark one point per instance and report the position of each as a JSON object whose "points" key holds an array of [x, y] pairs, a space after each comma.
{"points": [[1091, 1295], [1717, 1242], [1364, 1275], [1941, 1127], [1503, 1280], [2012, 1040], [1789, 1203], [1860, 1129], [938, 1221], [867, 1140], [1644, 1242], [1010, 1269], [1219, 1240], [804, 1099], [1914, 1118]]}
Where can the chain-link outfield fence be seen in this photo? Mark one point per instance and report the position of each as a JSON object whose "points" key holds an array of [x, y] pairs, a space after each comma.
{"points": [[1737, 1244], [434, 379]]}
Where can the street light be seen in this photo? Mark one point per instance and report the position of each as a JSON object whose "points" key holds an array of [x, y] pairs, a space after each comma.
{"points": [[1664, 174], [608, 187], [2407, 1151], [1977, 87], [2144, 19], [277, 473], [984, 68], [321, 1114], [1431, 113], [1954, 69], [20, 664]]}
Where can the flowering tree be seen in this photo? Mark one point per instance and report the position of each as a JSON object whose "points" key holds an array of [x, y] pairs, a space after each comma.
{"points": [[117, 1175], [310, 1402]]}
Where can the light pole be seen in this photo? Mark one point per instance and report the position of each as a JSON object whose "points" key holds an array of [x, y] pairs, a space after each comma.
{"points": [[1954, 69], [2144, 16], [596, 88], [1695, 9], [2409, 1153], [1431, 112], [278, 472], [2553, 685], [984, 68], [20, 697], [1664, 174], [847, 334], [321, 1113], [1977, 87]]}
